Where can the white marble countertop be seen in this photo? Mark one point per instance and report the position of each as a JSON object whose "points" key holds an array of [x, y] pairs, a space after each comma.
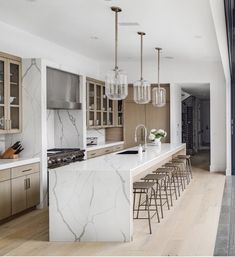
{"points": [[92, 200], [11, 163], [107, 144], [125, 162]]}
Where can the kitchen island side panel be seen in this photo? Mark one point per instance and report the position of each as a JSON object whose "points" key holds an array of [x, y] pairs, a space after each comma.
{"points": [[89, 205]]}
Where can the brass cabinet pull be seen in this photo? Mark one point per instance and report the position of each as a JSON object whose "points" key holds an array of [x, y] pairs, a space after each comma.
{"points": [[28, 183], [25, 184], [26, 170], [5, 124], [93, 154]]}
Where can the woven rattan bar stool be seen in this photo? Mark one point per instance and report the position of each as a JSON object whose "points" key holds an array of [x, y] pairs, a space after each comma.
{"points": [[170, 180], [161, 186], [188, 162], [145, 191]]}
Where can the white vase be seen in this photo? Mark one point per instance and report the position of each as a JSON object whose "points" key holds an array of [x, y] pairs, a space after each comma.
{"points": [[157, 142]]}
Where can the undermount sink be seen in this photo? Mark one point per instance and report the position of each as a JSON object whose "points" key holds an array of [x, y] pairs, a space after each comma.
{"points": [[129, 152]]}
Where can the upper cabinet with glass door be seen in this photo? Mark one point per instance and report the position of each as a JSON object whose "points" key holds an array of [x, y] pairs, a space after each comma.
{"points": [[10, 94], [99, 107]]}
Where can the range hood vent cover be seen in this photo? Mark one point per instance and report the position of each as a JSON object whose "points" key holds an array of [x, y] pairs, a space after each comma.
{"points": [[62, 90]]}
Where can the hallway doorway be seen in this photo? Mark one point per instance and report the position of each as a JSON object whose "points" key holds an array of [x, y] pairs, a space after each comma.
{"points": [[196, 123]]}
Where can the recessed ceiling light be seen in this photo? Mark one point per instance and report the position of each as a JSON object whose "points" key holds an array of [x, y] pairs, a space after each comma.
{"points": [[94, 37], [169, 57], [128, 24]]}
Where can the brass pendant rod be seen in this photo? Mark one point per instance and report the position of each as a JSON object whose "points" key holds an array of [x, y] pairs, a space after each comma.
{"points": [[158, 61], [116, 10], [141, 53], [141, 57], [116, 40]]}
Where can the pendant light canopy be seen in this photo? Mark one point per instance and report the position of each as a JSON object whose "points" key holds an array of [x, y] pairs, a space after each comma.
{"points": [[116, 87], [142, 88], [158, 93]]}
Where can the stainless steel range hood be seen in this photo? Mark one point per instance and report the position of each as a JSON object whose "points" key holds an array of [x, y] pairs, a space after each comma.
{"points": [[62, 90]]}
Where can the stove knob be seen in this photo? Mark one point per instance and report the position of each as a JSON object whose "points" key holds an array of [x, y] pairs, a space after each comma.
{"points": [[58, 159]]}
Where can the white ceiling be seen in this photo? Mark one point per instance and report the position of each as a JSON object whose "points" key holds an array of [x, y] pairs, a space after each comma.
{"points": [[183, 28], [201, 91]]}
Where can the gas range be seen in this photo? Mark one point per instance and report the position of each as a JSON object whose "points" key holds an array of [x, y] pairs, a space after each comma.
{"points": [[58, 157]]}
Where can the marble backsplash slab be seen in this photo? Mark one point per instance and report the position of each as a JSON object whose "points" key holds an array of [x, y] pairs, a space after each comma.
{"points": [[64, 128]]}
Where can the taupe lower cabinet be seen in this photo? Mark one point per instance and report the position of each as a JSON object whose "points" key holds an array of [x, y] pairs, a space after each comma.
{"points": [[25, 192], [19, 189], [5, 202]]}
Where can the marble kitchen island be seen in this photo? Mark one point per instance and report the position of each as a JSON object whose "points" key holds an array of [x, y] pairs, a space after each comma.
{"points": [[92, 200]]}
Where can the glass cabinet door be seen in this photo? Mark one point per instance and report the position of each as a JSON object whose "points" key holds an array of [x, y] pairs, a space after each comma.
{"points": [[110, 112], [98, 105], [104, 107], [14, 97], [120, 113], [91, 104], [3, 108]]}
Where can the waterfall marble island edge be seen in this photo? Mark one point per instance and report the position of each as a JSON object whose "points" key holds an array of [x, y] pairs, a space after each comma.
{"points": [[92, 200]]}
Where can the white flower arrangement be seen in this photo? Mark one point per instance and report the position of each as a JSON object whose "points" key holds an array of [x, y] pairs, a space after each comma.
{"points": [[157, 134]]}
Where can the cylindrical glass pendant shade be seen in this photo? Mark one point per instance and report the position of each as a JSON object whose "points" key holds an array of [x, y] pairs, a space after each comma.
{"points": [[142, 91], [116, 87], [159, 97]]}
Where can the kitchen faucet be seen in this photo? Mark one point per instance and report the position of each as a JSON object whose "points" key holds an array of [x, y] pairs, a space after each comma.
{"points": [[145, 134]]}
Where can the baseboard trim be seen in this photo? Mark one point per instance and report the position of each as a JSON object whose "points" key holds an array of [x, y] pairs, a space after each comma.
{"points": [[217, 169]]}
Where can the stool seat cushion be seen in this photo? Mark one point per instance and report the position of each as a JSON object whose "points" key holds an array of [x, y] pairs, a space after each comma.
{"points": [[143, 185], [181, 156], [154, 176], [164, 170], [178, 161]]}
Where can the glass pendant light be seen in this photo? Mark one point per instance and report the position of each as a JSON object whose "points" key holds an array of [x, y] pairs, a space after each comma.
{"points": [[158, 93], [142, 88], [116, 87]]}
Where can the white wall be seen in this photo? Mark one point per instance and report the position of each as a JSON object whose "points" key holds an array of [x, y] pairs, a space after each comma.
{"points": [[26, 45], [218, 15], [180, 71], [176, 113]]}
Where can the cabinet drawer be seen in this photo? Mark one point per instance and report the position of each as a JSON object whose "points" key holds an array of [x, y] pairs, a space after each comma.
{"points": [[107, 150], [99, 152], [5, 174], [92, 154], [118, 147], [25, 170]]}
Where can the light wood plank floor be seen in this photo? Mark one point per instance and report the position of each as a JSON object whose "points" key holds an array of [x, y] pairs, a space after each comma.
{"points": [[189, 228]]}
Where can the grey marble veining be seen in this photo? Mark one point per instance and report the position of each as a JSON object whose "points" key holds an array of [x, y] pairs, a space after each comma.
{"points": [[64, 128], [92, 200]]}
